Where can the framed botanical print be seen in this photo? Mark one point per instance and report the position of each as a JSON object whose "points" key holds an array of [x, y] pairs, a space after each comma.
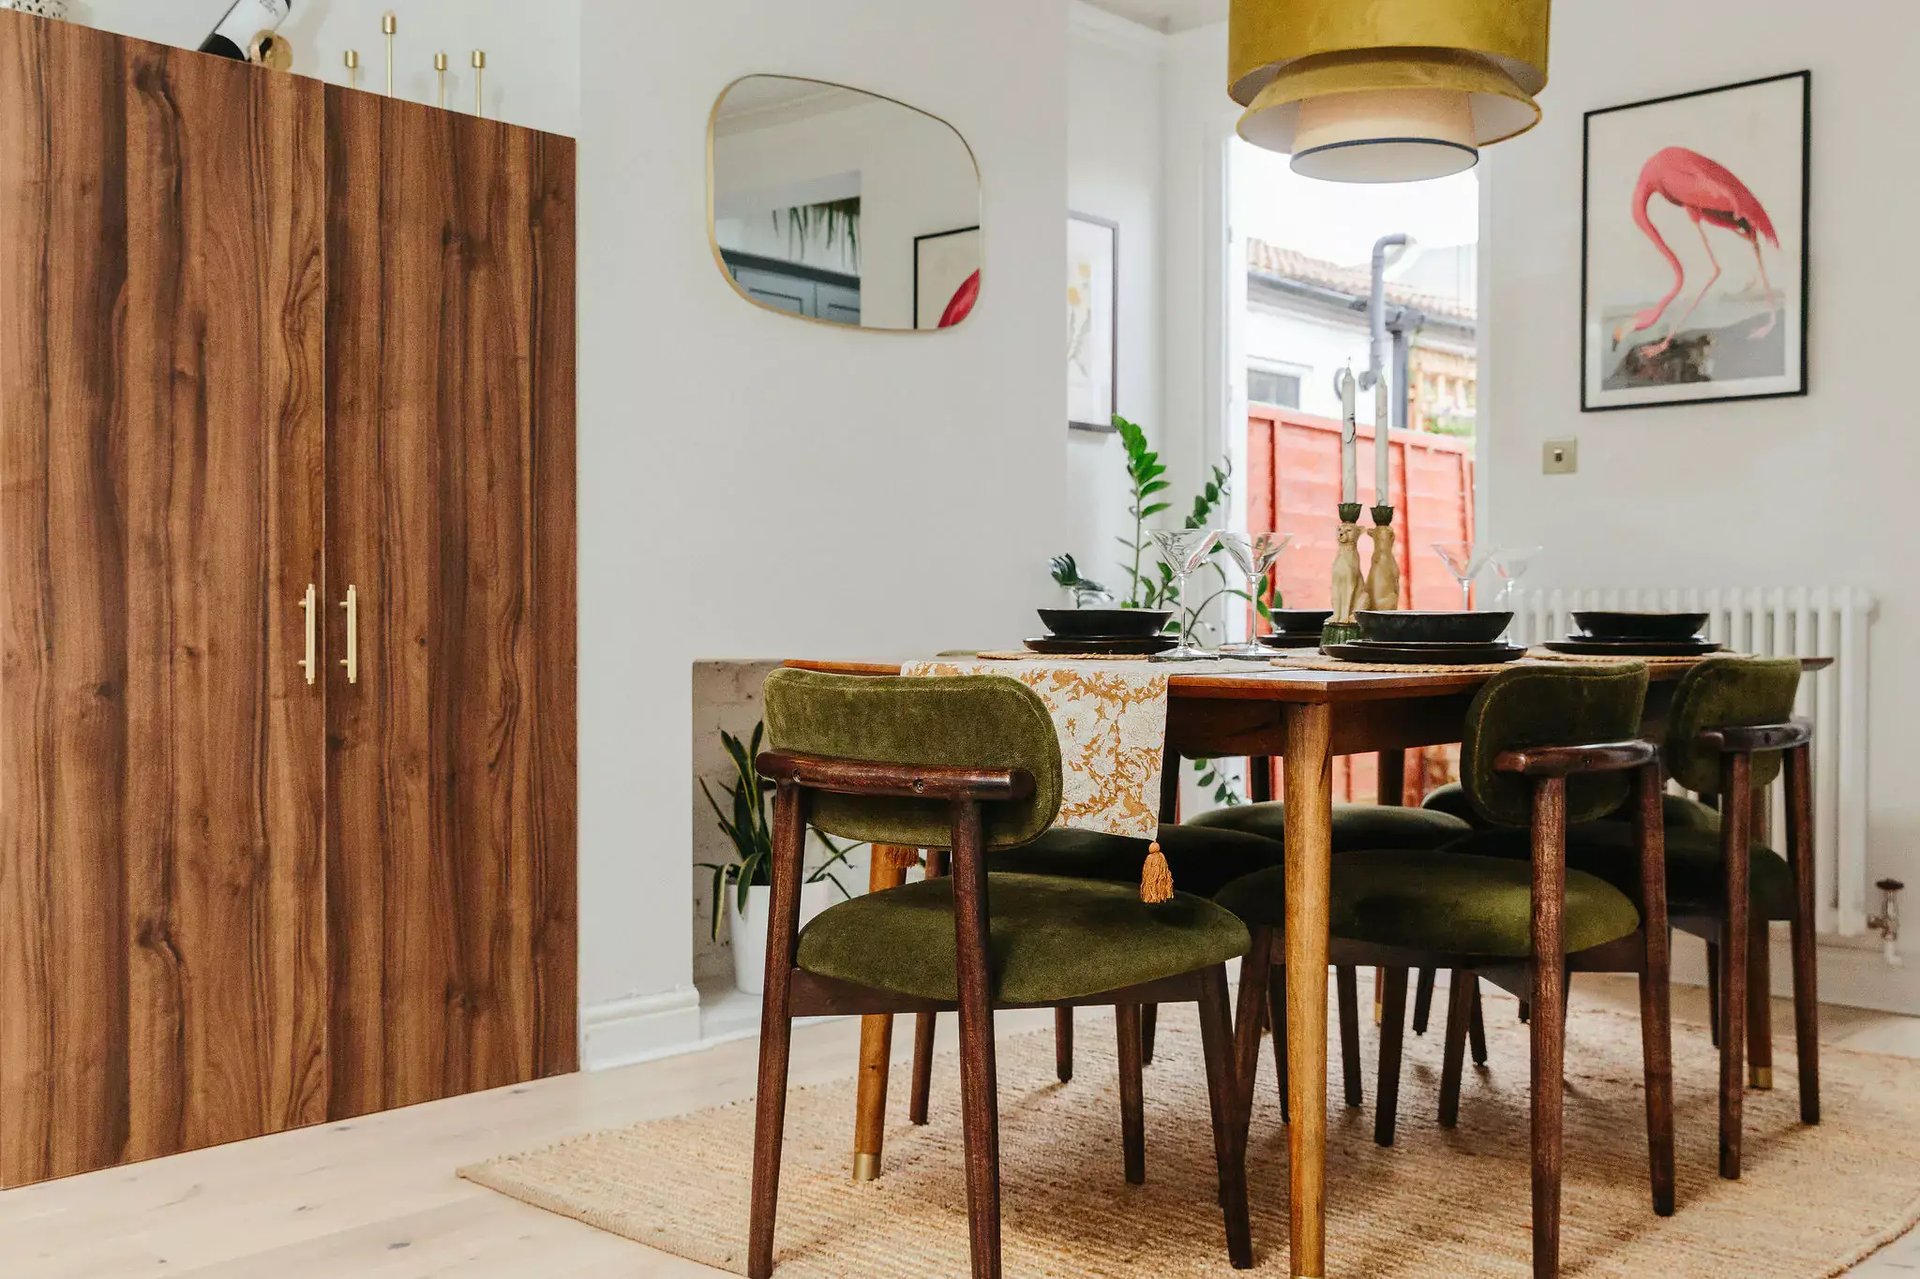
{"points": [[1694, 246], [946, 277], [1093, 322]]}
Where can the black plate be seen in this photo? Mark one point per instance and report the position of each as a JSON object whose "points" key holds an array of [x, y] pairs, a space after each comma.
{"points": [[1104, 623], [1292, 639], [1107, 646], [1599, 624], [1399, 626], [1427, 654], [1590, 646]]}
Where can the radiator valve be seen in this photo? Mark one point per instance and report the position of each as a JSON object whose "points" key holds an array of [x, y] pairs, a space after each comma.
{"points": [[1887, 922]]}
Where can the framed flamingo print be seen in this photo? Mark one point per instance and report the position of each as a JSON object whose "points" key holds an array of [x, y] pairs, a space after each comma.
{"points": [[1694, 247]]}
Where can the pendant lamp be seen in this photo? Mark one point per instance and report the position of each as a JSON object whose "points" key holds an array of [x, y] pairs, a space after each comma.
{"points": [[1386, 90]]}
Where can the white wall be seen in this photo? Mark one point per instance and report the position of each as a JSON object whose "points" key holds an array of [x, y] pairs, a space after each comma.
{"points": [[533, 51], [1811, 491], [756, 486], [1114, 78]]}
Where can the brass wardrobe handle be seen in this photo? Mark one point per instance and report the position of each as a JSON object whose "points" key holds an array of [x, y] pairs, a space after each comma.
{"points": [[310, 605], [352, 660]]}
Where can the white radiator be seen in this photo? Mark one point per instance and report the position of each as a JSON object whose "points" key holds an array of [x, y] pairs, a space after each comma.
{"points": [[1780, 621]]}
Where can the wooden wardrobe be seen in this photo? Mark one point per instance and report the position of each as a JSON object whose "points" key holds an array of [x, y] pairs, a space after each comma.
{"points": [[287, 708]]}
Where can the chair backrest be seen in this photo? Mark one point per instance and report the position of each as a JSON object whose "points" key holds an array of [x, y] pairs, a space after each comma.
{"points": [[1561, 705], [1727, 692], [957, 721]]}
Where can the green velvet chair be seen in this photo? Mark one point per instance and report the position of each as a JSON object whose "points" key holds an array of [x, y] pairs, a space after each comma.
{"points": [[969, 765], [1680, 812], [1204, 858], [1728, 732], [1542, 745]]}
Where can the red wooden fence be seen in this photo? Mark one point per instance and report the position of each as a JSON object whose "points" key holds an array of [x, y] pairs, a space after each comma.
{"points": [[1293, 486]]}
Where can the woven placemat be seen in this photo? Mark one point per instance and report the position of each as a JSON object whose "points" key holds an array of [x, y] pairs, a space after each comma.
{"points": [[1548, 655]]}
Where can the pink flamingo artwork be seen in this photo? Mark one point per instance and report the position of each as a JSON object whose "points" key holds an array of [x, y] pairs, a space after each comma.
{"points": [[1709, 193], [962, 304]]}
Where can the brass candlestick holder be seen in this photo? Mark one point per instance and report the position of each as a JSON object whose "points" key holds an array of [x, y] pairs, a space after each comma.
{"points": [[1383, 578], [1349, 584]]}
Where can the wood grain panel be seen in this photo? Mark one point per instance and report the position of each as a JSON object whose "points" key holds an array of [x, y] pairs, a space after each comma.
{"points": [[450, 509], [162, 974]]}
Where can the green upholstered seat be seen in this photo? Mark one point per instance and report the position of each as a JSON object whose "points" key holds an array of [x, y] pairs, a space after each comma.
{"points": [[1681, 812], [1051, 938], [1355, 826], [1203, 861], [1696, 872], [1442, 902]]}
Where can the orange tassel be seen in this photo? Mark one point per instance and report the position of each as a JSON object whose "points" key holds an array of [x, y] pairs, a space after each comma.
{"points": [[895, 857], [1156, 877]]}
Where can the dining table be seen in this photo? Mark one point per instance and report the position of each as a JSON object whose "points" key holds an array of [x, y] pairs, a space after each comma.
{"points": [[1304, 718]]}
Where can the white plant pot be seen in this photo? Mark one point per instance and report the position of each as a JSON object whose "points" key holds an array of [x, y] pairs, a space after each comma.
{"points": [[749, 930]]}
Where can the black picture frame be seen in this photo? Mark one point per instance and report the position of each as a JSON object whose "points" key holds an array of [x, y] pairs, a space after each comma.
{"points": [[1804, 293], [1111, 329], [918, 242]]}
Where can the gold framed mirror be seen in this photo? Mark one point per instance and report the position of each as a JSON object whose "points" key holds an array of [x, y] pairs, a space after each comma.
{"points": [[834, 205]]}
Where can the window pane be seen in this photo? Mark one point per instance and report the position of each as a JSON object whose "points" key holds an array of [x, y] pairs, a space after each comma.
{"points": [[1264, 386]]}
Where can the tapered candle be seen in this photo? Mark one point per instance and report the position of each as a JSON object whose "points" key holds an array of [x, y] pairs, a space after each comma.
{"points": [[353, 68], [389, 23], [1349, 443], [440, 71], [479, 77], [1382, 446]]}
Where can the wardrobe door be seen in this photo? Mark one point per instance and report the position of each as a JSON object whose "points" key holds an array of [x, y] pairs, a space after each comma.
{"points": [[162, 971], [450, 482]]}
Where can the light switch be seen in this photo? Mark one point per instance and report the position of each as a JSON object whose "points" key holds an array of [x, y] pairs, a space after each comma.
{"points": [[1560, 457]]}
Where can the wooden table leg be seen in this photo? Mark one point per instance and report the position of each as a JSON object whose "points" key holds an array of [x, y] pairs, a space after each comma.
{"points": [[887, 870], [1309, 839]]}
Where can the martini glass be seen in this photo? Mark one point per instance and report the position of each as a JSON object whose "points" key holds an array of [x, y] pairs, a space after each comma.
{"points": [[1510, 563], [1184, 550], [1465, 564], [1254, 554]]}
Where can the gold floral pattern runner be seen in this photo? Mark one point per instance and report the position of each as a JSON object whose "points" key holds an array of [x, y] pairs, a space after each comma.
{"points": [[1112, 722]]}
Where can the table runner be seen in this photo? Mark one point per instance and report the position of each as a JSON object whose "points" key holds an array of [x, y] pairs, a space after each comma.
{"points": [[1112, 721]]}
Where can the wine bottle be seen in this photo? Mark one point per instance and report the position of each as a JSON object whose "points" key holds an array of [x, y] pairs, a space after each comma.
{"points": [[247, 19]]}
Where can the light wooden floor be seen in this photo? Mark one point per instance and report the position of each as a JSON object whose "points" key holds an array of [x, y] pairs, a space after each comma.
{"points": [[376, 1198]]}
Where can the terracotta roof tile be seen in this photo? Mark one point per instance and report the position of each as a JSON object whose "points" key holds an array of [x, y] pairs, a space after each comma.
{"points": [[1355, 281]]}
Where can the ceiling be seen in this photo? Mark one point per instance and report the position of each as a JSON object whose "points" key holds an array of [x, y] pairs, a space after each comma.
{"points": [[1167, 15]]}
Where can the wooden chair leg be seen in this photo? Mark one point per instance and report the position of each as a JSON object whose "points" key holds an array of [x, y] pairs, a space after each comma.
{"points": [[776, 1030], [1217, 1044], [979, 1083], [1133, 1128], [1393, 1025], [923, 1027], [1759, 1007], [1547, 1026], [1256, 974], [1422, 1001], [1454, 1050], [1348, 984], [1736, 772], [1063, 1044], [1716, 971], [1149, 1022], [1277, 1014], [1476, 1025], [1806, 998], [1656, 984]]}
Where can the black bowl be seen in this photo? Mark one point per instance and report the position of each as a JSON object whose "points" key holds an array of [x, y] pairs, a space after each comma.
{"points": [[1400, 626], [1301, 621], [1651, 626], [1105, 623]]}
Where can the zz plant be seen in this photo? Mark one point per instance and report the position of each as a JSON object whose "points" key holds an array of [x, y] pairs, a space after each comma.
{"points": [[746, 820]]}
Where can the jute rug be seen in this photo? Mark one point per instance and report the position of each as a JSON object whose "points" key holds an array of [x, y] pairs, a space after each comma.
{"points": [[1439, 1203]]}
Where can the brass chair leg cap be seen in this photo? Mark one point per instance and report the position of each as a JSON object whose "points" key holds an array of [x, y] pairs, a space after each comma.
{"points": [[866, 1167], [1761, 1078]]}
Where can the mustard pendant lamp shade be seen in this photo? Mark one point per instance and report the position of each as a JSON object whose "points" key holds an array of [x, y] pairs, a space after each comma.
{"points": [[1386, 90]]}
